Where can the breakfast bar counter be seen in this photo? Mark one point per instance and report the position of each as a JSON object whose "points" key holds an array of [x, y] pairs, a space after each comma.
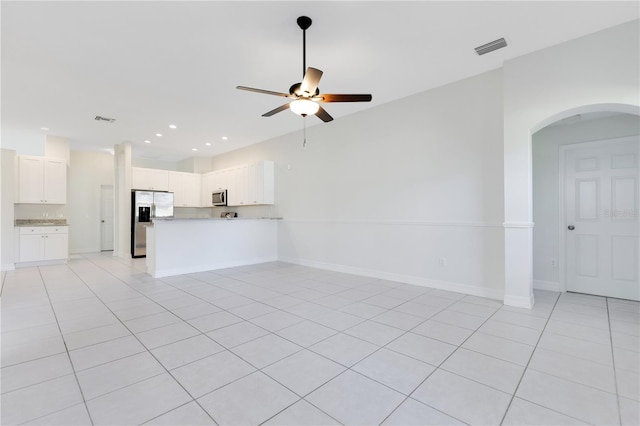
{"points": [[182, 246]]}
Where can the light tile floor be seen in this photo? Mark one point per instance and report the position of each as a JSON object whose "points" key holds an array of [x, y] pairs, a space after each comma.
{"points": [[98, 341]]}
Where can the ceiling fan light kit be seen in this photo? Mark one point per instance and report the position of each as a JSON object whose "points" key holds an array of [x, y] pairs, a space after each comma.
{"points": [[304, 107], [305, 96]]}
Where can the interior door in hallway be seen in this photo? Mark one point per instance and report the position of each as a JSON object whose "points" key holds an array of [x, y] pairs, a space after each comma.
{"points": [[601, 218], [106, 217]]}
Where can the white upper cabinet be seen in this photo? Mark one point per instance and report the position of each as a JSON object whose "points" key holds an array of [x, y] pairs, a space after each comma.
{"points": [[41, 180], [207, 185], [237, 186], [246, 184], [149, 179], [185, 188], [253, 184], [261, 183]]}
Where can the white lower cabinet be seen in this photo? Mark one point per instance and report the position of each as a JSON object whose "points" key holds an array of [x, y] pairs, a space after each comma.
{"points": [[42, 243]]}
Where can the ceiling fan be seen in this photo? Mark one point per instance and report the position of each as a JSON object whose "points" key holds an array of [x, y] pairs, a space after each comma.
{"points": [[305, 96]]}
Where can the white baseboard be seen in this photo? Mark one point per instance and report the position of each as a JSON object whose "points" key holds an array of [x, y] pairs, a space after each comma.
{"points": [[210, 267], [41, 263], [519, 301], [8, 267], [407, 279], [547, 285], [84, 250]]}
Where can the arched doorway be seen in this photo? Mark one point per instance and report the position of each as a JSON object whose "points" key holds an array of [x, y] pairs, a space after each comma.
{"points": [[599, 254]]}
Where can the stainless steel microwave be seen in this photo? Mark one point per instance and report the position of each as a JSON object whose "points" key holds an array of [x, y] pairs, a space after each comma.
{"points": [[219, 198]]}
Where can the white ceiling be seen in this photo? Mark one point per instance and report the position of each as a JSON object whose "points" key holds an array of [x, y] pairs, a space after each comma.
{"points": [[154, 63]]}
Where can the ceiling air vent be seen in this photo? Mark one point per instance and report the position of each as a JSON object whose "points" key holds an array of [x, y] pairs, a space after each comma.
{"points": [[491, 46], [101, 118]]}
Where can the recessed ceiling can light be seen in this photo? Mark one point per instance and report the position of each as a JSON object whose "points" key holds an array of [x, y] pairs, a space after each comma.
{"points": [[172, 126], [208, 144], [44, 128], [194, 149], [159, 135], [224, 138], [147, 141]]}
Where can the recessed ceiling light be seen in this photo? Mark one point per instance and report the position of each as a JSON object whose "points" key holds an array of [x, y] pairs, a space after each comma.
{"points": [[208, 144], [194, 149], [224, 138], [172, 126], [44, 128], [147, 141], [159, 134]]}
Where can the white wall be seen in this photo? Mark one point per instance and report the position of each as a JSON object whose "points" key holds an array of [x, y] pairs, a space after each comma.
{"points": [[7, 182], [122, 199], [389, 191], [88, 171], [539, 88], [57, 147], [546, 207], [153, 164]]}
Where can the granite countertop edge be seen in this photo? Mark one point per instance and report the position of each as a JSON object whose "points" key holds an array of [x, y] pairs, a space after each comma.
{"points": [[40, 222]]}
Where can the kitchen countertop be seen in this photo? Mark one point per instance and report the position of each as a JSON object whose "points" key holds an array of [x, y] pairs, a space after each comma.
{"points": [[41, 222]]}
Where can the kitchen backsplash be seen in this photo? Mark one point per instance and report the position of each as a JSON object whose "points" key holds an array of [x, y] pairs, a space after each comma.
{"points": [[40, 211], [214, 212]]}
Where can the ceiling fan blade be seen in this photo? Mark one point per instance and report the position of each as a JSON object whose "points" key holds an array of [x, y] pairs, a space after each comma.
{"points": [[310, 81], [323, 115], [275, 111], [266, 92], [327, 97]]}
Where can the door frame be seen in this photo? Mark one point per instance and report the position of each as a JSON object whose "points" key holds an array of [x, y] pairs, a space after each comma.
{"points": [[562, 220], [102, 186]]}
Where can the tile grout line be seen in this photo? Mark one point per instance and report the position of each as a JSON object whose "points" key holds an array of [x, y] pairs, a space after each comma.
{"points": [[347, 368], [613, 360], [146, 349], [255, 283], [409, 396], [526, 368], [257, 369], [73, 368]]}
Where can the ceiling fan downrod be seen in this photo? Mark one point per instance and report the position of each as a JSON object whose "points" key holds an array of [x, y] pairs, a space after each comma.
{"points": [[304, 22]]}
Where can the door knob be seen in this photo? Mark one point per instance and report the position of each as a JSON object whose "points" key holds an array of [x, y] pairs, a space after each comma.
{"points": [[571, 227], [102, 221]]}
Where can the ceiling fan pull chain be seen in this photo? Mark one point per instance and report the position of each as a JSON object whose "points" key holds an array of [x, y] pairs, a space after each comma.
{"points": [[304, 132]]}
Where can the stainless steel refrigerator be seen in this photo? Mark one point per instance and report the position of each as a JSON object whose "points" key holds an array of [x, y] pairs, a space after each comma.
{"points": [[146, 206]]}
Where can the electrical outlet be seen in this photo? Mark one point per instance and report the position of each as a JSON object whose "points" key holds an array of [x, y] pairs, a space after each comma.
{"points": [[442, 261], [554, 263]]}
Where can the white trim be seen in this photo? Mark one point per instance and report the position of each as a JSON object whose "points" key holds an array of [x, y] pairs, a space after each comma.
{"points": [[548, 286], [84, 250], [519, 301], [8, 267], [159, 273], [518, 224], [407, 279], [400, 222], [41, 263]]}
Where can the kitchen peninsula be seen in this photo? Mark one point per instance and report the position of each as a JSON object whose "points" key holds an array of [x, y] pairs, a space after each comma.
{"points": [[182, 246]]}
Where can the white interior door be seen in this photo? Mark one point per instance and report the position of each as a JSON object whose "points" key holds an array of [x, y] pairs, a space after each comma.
{"points": [[106, 217], [601, 218]]}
